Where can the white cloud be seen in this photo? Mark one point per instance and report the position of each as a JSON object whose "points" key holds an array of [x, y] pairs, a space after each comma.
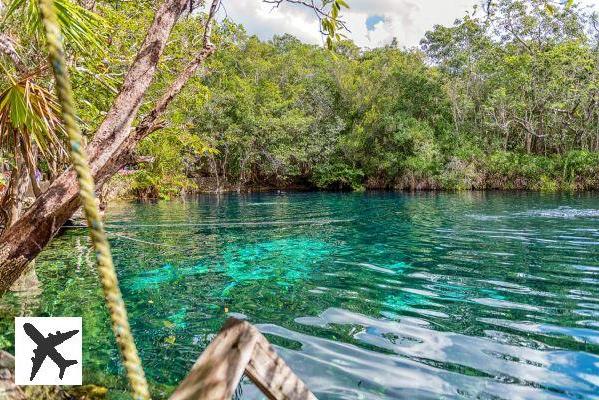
{"points": [[407, 20], [265, 21]]}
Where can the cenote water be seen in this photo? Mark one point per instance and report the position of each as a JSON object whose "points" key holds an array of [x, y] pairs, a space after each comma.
{"points": [[366, 296]]}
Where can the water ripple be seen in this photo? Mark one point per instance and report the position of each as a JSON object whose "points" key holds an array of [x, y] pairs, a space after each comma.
{"points": [[366, 295]]}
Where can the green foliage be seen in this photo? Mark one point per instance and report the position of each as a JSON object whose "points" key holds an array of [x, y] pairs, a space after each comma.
{"points": [[507, 103], [80, 27], [504, 100], [579, 164], [575, 170], [31, 132], [338, 176], [331, 23], [29, 115], [170, 154], [547, 184], [459, 175], [522, 79]]}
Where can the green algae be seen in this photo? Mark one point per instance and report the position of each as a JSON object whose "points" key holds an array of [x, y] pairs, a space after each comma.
{"points": [[286, 260], [152, 279]]}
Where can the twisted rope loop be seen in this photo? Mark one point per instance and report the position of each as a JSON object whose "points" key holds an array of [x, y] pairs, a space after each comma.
{"points": [[112, 293]]}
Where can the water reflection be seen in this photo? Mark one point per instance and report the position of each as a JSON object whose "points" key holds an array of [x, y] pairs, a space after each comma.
{"points": [[417, 352]]}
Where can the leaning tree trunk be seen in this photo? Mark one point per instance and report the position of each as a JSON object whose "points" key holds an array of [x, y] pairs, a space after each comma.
{"points": [[109, 151], [12, 203]]}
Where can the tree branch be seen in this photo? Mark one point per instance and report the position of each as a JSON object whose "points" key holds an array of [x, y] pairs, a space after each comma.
{"points": [[112, 144], [148, 124], [319, 10]]}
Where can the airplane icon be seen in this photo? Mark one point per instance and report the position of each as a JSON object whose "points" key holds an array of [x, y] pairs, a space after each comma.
{"points": [[46, 347]]}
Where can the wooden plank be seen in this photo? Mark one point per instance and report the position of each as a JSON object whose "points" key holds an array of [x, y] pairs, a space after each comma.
{"points": [[240, 347], [219, 369], [272, 375]]}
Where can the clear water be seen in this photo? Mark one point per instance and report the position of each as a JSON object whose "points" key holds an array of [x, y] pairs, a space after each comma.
{"points": [[367, 296]]}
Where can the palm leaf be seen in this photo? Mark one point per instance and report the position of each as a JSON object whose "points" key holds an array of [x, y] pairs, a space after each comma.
{"points": [[80, 27], [31, 112]]}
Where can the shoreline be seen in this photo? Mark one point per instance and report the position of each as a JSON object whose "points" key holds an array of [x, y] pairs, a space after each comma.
{"points": [[307, 189]]}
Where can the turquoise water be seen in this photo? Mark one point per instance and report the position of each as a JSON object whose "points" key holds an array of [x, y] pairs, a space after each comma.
{"points": [[367, 296]]}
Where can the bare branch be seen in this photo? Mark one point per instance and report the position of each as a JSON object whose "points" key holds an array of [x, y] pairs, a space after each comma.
{"points": [[321, 11]]}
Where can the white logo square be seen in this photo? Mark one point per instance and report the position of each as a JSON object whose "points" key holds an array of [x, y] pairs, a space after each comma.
{"points": [[48, 350]]}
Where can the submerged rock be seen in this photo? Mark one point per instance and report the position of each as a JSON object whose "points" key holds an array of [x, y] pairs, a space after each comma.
{"points": [[88, 392], [10, 391]]}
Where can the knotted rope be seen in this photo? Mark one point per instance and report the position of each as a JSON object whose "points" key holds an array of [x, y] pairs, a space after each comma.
{"points": [[112, 293]]}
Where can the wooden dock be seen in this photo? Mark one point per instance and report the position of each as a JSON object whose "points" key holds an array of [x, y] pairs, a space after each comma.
{"points": [[240, 349]]}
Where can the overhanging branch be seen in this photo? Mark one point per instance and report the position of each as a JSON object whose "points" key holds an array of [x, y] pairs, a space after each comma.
{"points": [[150, 122]]}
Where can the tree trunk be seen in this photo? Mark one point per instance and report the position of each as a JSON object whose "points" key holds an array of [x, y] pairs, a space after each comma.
{"points": [[17, 187], [110, 149], [223, 166], [214, 168], [29, 157], [53, 167], [241, 182]]}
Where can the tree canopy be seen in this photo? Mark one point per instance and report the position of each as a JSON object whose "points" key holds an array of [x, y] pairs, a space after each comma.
{"points": [[502, 99]]}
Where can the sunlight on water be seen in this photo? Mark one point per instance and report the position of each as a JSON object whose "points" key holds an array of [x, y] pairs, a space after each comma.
{"points": [[367, 296]]}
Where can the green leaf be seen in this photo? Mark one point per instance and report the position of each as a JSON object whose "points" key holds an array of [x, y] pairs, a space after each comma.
{"points": [[30, 112], [170, 339], [80, 27], [550, 8], [342, 3]]}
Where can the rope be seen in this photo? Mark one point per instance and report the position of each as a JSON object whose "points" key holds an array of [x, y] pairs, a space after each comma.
{"points": [[112, 293], [221, 224], [145, 241]]}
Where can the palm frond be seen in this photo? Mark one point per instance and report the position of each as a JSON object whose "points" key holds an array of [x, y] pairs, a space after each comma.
{"points": [[80, 27], [30, 113]]}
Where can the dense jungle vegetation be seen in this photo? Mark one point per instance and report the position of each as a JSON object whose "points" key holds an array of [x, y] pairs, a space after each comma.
{"points": [[508, 100], [505, 98]]}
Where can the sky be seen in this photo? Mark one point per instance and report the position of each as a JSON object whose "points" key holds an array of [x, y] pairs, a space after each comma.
{"points": [[372, 23]]}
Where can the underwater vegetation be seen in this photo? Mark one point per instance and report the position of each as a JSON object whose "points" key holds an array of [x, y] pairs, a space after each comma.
{"points": [[285, 260], [152, 279], [289, 259]]}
